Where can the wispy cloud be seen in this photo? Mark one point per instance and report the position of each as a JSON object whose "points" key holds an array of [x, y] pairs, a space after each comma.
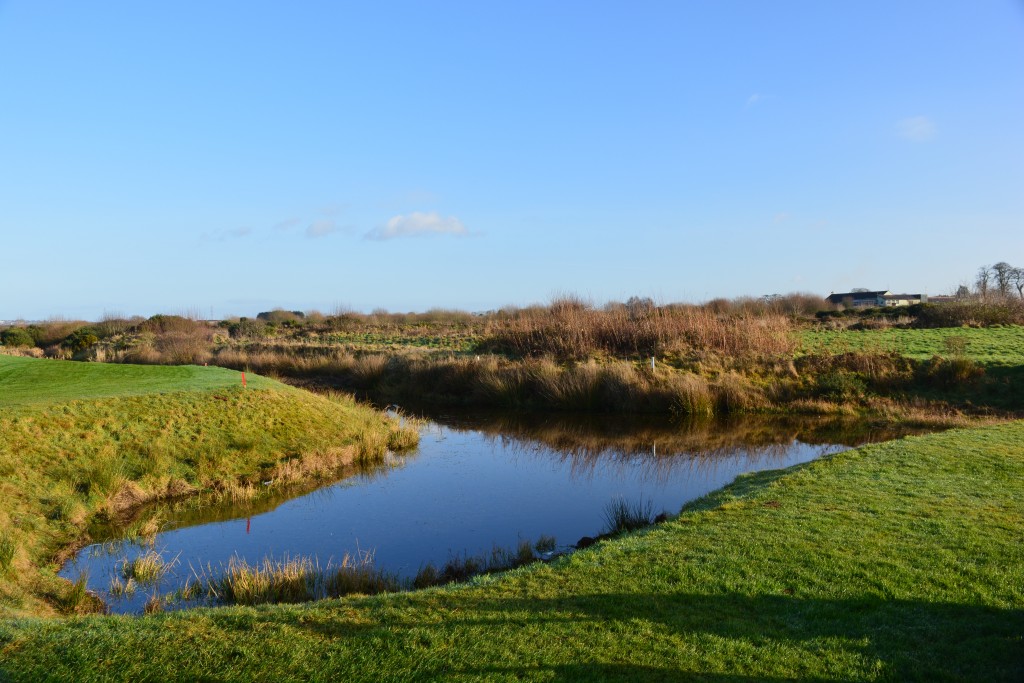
{"points": [[755, 99], [781, 217], [287, 224], [222, 235], [321, 228], [415, 224], [916, 129]]}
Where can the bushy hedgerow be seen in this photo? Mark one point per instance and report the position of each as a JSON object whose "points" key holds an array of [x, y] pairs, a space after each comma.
{"points": [[16, 337]]}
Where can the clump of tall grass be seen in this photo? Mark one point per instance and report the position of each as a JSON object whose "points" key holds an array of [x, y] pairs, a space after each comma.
{"points": [[947, 373], [76, 596], [155, 605], [620, 515], [544, 544], [147, 568], [691, 395], [119, 588], [293, 580]]}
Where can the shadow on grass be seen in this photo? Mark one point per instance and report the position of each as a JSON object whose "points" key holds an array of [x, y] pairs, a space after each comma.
{"points": [[899, 639], [445, 635]]}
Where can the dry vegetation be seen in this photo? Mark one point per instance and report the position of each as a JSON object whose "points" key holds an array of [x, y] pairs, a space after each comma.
{"points": [[724, 356]]}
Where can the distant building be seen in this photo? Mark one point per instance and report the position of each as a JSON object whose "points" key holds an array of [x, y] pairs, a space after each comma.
{"points": [[857, 299], [903, 299], [873, 299]]}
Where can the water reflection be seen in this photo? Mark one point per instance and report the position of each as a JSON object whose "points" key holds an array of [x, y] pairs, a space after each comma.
{"points": [[659, 448], [476, 481]]}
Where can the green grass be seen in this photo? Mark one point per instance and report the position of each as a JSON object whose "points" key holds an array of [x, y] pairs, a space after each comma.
{"points": [[29, 381], [898, 561], [992, 346], [140, 433]]}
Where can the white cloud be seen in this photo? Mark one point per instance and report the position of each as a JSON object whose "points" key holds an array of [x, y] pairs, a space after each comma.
{"points": [[417, 223], [754, 99], [781, 217], [916, 129], [321, 228]]}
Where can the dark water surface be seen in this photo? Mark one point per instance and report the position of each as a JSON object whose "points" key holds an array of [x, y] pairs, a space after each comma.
{"points": [[475, 482]]}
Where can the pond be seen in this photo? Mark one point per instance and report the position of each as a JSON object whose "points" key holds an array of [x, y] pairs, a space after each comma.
{"points": [[475, 482]]}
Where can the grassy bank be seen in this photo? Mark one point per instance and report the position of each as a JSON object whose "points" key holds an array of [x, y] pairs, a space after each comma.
{"points": [[898, 561], [138, 434]]}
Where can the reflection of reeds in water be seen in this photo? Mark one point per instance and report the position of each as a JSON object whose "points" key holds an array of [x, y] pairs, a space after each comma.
{"points": [[464, 567], [657, 449], [210, 508]]}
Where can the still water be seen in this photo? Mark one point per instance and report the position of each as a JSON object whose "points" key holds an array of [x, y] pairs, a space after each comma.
{"points": [[474, 482]]}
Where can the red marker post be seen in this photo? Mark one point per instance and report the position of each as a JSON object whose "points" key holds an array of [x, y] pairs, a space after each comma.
{"points": [[243, 378]]}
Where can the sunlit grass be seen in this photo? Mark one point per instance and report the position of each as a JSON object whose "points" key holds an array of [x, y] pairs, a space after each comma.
{"points": [[897, 561], [988, 345], [66, 462]]}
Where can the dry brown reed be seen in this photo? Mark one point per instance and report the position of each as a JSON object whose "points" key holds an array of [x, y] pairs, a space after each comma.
{"points": [[572, 329], [292, 580]]}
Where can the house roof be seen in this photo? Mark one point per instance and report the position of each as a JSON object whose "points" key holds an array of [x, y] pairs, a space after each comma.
{"points": [[856, 296]]}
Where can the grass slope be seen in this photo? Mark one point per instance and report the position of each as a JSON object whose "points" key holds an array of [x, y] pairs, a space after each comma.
{"points": [[156, 432], [898, 561], [987, 345]]}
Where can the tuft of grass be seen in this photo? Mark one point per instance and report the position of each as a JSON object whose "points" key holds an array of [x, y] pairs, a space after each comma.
{"points": [[620, 515], [146, 568], [119, 588], [292, 580], [427, 576], [155, 605], [544, 544], [75, 596]]}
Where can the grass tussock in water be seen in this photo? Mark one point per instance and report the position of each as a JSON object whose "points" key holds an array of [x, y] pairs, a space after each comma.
{"points": [[147, 568], [290, 580], [620, 515]]}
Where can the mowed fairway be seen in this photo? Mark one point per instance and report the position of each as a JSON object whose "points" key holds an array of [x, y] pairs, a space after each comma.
{"points": [[29, 381], [898, 561]]}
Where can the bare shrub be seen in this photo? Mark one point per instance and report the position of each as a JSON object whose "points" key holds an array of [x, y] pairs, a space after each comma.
{"points": [[182, 347]]}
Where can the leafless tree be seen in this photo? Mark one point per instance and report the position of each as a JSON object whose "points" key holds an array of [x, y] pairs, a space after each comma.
{"points": [[1002, 273], [1017, 280], [983, 282]]}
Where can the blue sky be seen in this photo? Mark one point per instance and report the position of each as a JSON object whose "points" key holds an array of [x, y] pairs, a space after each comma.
{"points": [[232, 157]]}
